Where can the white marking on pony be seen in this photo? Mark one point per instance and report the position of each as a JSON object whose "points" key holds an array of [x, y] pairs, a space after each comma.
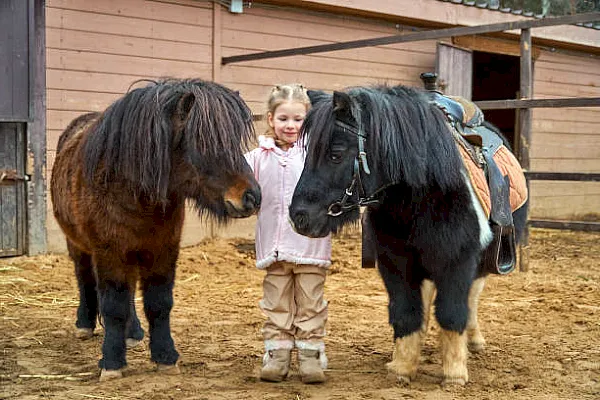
{"points": [[485, 232], [405, 359], [454, 358], [476, 341], [427, 294], [110, 374]]}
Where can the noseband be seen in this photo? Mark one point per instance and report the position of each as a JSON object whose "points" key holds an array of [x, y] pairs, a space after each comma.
{"points": [[344, 205]]}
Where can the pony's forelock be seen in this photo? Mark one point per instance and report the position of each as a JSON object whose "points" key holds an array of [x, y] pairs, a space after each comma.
{"points": [[218, 121], [317, 130]]}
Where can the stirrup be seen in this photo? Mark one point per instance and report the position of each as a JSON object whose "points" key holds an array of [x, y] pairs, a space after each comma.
{"points": [[501, 255]]}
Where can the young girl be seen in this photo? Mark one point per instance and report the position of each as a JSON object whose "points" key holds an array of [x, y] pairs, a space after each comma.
{"points": [[295, 265]]}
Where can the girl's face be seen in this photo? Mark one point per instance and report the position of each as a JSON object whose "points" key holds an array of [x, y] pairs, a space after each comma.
{"points": [[286, 121]]}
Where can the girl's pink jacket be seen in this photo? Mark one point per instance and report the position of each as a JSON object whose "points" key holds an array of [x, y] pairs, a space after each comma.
{"points": [[278, 171]]}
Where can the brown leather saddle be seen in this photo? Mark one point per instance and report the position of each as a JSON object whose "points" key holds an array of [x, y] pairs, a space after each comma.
{"points": [[481, 143]]}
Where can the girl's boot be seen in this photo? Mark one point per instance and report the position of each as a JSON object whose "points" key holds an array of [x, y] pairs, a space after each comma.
{"points": [[276, 363], [312, 361]]}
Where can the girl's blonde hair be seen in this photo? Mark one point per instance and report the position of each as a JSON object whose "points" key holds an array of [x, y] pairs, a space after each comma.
{"points": [[292, 92]]}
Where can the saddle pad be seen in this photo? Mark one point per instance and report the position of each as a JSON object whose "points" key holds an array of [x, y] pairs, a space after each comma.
{"points": [[508, 165]]}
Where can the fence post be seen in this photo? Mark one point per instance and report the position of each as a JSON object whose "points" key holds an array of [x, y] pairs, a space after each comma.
{"points": [[526, 87]]}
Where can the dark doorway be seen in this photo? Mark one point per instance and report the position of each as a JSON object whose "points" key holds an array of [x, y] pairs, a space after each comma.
{"points": [[496, 77]]}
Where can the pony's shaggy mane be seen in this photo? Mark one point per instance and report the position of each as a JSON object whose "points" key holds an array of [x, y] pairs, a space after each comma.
{"points": [[134, 139], [406, 136]]}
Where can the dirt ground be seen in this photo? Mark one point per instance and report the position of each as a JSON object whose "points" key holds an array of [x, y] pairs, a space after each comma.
{"points": [[542, 329]]}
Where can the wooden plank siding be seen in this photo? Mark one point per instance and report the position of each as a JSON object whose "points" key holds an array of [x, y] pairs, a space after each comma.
{"points": [[565, 139], [261, 29], [96, 49]]}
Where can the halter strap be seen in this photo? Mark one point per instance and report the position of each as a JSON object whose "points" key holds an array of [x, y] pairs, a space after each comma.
{"points": [[341, 206], [362, 138]]}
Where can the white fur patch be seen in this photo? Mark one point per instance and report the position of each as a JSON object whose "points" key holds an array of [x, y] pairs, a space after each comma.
{"points": [[485, 232], [274, 344]]}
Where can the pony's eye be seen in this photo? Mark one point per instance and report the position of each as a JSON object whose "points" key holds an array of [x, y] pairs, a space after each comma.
{"points": [[336, 153]]}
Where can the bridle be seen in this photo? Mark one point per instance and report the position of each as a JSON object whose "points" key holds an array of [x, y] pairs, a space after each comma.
{"points": [[343, 204]]}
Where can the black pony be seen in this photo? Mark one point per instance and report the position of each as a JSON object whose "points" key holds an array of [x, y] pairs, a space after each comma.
{"points": [[391, 150], [119, 186]]}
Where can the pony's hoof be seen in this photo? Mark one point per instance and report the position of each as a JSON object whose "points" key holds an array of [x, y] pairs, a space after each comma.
{"points": [[168, 369], [402, 377], [110, 374], [476, 347], [131, 343], [454, 382], [84, 333], [403, 380]]}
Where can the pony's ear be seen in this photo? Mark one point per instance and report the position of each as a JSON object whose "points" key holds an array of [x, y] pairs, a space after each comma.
{"points": [[342, 104], [184, 105], [180, 116], [316, 96]]}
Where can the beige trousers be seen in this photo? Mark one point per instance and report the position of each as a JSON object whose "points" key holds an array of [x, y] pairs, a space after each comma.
{"points": [[293, 303]]}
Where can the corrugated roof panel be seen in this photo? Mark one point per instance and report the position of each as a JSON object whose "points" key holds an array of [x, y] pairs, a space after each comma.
{"points": [[495, 5]]}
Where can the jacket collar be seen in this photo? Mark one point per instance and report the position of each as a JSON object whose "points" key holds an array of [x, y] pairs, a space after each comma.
{"points": [[268, 143]]}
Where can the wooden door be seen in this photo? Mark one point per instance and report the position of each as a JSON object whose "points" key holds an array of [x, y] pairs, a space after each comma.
{"points": [[454, 67], [15, 100], [12, 189]]}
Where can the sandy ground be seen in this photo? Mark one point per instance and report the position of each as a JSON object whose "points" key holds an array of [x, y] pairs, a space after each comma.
{"points": [[542, 328]]}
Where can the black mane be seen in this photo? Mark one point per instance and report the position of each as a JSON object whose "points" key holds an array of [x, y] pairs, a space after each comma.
{"points": [[406, 136], [134, 139]]}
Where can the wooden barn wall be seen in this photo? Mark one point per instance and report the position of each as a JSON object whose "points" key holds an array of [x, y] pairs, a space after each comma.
{"points": [[96, 49], [566, 139], [263, 28]]}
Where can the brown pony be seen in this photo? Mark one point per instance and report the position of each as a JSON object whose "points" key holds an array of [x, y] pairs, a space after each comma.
{"points": [[119, 186]]}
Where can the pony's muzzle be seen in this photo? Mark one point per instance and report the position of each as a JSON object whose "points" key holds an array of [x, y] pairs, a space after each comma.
{"points": [[245, 205], [305, 224], [299, 220]]}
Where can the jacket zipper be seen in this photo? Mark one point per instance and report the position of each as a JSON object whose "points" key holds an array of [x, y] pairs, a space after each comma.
{"points": [[280, 222]]}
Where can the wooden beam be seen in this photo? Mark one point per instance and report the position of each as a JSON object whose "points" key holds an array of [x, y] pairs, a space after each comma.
{"points": [[412, 37], [497, 46], [526, 86], [36, 133], [538, 103], [570, 225], [563, 176]]}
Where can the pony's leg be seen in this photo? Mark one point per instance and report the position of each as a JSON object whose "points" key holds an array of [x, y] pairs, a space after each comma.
{"points": [[405, 359], [157, 286], [454, 357], [135, 333], [116, 283], [476, 341], [87, 311], [451, 311], [427, 293], [406, 317], [369, 241], [134, 330]]}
